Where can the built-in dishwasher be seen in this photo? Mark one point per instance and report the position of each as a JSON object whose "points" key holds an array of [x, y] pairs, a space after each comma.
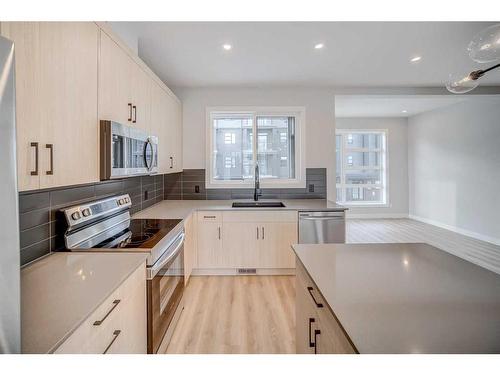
{"points": [[321, 227]]}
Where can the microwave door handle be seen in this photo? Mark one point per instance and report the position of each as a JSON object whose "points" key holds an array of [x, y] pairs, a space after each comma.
{"points": [[148, 143]]}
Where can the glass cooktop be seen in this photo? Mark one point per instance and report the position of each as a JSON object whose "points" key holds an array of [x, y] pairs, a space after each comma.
{"points": [[141, 233]]}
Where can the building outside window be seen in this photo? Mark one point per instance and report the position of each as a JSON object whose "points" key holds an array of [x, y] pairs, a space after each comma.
{"points": [[361, 177], [233, 150]]}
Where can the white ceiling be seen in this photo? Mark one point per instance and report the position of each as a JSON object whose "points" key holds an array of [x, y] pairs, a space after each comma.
{"points": [[356, 54], [392, 105]]}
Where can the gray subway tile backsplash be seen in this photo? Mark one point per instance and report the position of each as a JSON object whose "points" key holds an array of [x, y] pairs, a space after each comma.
{"points": [[39, 234], [183, 185]]}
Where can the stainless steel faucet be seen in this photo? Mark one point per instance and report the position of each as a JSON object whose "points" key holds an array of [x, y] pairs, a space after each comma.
{"points": [[257, 192]]}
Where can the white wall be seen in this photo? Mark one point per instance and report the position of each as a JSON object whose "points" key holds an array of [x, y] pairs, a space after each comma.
{"points": [[320, 121], [397, 147], [454, 167]]}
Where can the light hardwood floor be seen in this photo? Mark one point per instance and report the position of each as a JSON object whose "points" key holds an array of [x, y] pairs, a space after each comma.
{"points": [[482, 253], [237, 314]]}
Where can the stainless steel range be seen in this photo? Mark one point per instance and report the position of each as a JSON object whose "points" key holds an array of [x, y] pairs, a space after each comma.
{"points": [[105, 225]]}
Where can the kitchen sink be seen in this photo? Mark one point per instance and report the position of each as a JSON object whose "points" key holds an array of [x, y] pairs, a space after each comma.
{"points": [[257, 204]]}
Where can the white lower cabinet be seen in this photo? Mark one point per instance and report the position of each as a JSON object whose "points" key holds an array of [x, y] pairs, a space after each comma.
{"points": [[239, 239], [118, 325]]}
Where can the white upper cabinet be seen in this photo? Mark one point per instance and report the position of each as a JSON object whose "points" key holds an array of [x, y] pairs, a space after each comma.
{"points": [[70, 75], [56, 102], [159, 126], [115, 82]]}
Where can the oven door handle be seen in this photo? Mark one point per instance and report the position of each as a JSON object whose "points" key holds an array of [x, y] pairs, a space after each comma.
{"points": [[166, 257]]}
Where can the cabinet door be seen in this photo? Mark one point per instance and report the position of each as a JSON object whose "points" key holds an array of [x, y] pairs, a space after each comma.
{"points": [[115, 82], [240, 245], [159, 126], [177, 146], [69, 103], [210, 253], [26, 36], [189, 247], [141, 97], [175, 134], [275, 246], [306, 320]]}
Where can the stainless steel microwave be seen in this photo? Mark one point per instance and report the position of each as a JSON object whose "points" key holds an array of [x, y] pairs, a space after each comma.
{"points": [[126, 151]]}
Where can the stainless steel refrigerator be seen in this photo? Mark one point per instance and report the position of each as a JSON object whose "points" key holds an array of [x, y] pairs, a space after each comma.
{"points": [[10, 301]]}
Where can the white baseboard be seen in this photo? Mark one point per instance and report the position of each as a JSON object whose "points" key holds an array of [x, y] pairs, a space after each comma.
{"points": [[376, 216], [465, 232], [234, 272]]}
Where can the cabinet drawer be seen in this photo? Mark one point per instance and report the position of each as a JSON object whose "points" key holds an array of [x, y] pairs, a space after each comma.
{"points": [[213, 216], [333, 339], [97, 332], [260, 216]]}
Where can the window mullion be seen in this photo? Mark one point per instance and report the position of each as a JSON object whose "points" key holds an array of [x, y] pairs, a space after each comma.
{"points": [[254, 141]]}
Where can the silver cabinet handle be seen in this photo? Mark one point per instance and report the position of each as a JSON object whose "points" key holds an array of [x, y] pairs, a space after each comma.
{"points": [[116, 333], [218, 228], [263, 233], [115, 303], [257, 232], [208, 217], [171, 162], [135, 114]]}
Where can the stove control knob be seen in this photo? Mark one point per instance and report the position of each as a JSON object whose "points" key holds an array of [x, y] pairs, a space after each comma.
{"points": [[75, 215], [120, 202], [86, 212]]}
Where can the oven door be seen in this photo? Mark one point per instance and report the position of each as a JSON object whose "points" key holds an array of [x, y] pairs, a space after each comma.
{"points": [[165, 287]]}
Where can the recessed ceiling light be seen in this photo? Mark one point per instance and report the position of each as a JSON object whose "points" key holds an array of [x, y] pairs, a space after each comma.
{"points": [[404, 111], [227, 47], [319, 46], [416, 59]]}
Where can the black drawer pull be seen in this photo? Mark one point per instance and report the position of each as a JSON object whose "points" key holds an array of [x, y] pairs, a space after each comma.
{"points": [[115, 303], [312, 344], [35, 145], [116, 333], [316, 333], [208, 217], [50, 146], [310, 289], [129, 111]]}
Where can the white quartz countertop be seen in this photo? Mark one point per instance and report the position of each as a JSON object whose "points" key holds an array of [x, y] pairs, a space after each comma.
{"points": [[180, 209], [407, 298], [60, 291]]}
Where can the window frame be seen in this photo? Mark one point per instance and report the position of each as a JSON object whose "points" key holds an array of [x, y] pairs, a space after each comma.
{"points": [[300, 146], [384, 167]]}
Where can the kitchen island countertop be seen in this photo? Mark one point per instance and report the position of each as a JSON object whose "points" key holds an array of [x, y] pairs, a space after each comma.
{"points": [[407, 298]]}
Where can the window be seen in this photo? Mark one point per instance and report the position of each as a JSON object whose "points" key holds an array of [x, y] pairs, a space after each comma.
{"points": [[361, 177], [233, 151]]}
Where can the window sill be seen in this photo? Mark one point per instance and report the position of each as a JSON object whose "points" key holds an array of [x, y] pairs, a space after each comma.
{"points": [[365, 205], [300, 185]]}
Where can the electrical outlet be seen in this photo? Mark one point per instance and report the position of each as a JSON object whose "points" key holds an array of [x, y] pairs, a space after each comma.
{"points": [[311, 188], [196, 188]]}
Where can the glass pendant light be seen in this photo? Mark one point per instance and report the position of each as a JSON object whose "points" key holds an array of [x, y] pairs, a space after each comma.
{"points": [[461, 83], [485, 46]]}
